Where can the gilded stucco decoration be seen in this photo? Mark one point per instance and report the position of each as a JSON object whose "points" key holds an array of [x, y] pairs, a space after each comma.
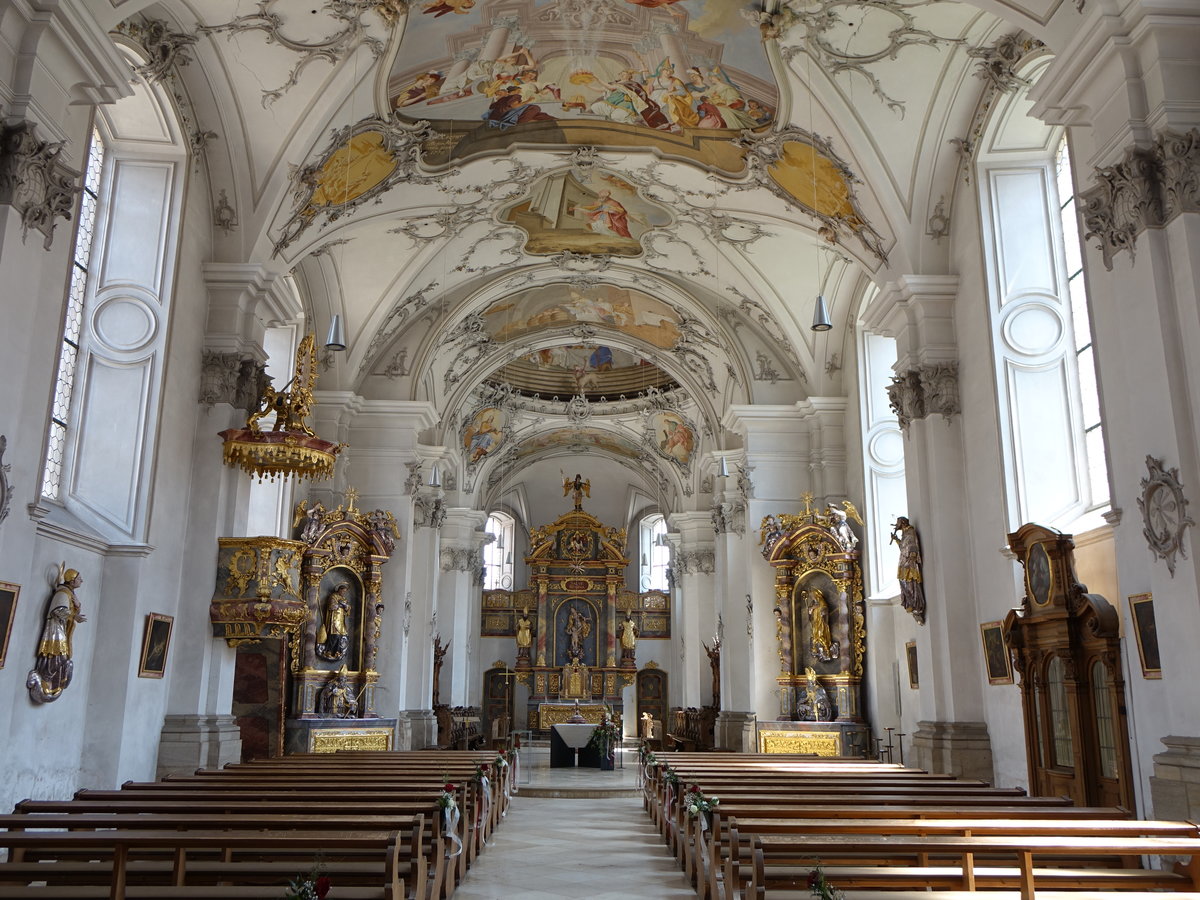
{"points": [[361, 162], [804, 170], [1164, 512]]}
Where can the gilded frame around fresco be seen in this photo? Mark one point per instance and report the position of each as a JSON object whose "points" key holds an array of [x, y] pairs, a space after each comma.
{"points": [[9, 593], [156, 642]]}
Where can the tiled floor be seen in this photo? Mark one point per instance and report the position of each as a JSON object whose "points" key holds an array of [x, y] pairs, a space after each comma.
{"points": [[575, 847]]}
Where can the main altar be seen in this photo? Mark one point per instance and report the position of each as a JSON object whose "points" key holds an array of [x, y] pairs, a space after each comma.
{"points": [[576, 626], [820, 626]]}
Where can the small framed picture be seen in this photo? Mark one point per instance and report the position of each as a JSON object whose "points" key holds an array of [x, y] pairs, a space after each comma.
{"points": [[910, 653], [155, 644], [8, 611], [1141, 608], [996, 657]]}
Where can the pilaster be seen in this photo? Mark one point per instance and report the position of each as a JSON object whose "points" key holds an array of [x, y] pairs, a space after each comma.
{"points": [[693, 566], [1175, 785], [459, 598]]}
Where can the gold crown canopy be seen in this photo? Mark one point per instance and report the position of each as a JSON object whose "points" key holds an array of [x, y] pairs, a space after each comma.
{"points": [[291, 447]]}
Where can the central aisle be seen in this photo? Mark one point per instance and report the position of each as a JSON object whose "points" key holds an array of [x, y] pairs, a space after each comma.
{"points": [[572, 848]]}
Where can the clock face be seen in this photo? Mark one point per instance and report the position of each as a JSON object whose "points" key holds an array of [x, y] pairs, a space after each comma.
{"points": [[1039, 580]]}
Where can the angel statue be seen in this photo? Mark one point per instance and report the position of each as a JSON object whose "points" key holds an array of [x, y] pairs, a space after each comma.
{"points": [[310, 516], [840, 527], [578, 488]]}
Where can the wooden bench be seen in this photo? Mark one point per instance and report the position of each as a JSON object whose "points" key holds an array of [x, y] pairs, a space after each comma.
{"points": [[388, 854], [783, 862]]}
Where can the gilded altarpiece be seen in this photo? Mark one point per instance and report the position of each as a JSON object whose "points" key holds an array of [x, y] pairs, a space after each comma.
{"points": [[321, 596], [576, 608], [820, 629]]}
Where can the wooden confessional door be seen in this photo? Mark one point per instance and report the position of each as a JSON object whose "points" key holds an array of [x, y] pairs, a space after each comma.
{"points": [[652, 695], [497, 703], [1066, 646], [259, 687]]}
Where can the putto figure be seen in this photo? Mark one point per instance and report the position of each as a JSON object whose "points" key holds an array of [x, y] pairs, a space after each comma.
{"points": [[52, 672], [912, 593]]}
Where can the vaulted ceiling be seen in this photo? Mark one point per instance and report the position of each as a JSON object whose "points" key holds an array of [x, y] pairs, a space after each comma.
{"points": [[580, 225]]}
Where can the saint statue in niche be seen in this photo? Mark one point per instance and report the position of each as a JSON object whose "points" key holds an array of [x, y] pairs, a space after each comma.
{"points": [[579, 626], [629, 634], [54, 667], [824, 647], [333, 638]]}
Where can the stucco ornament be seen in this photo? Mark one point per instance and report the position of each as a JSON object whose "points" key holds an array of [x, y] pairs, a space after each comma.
{"points": [[34, 180], [1164, 512], [5, 488], [998, 63], [165, 49]]}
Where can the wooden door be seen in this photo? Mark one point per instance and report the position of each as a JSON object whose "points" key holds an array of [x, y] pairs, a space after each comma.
{"points": [[652, 695], [497, 710]]}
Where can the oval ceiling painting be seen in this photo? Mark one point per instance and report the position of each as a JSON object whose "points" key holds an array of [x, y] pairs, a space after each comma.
{"points": [[686, 76]]}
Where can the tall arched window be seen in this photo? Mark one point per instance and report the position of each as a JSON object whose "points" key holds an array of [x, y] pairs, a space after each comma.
{"points": [[1051, 434], [655, 553], [498, 552], [103, 427]]}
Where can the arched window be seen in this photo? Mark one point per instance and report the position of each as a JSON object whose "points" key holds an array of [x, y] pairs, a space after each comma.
{"points": [[883, 462], [1049, 412], [498, 552], [655, 554], [104, 418], [68, 354]]}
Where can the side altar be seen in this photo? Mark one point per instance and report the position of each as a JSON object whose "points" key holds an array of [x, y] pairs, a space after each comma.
{"points": [[820, 625], [577, 627]]}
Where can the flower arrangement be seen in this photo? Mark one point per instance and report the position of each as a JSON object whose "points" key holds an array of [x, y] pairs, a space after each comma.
{"points": [[482, 772], [311, 886], [819, 887], [670, 777], [696, 802], [646, 755], [501, 761], [605, 737], [446, 800]]}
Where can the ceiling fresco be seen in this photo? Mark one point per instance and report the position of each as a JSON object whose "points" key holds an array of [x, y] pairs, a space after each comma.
{"points": [[631, 312], [569, 73], [594, 212]]}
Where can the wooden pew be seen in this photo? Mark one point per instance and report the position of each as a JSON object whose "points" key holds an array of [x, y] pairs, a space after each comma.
{"points": [[781, 863], [388, 851]]}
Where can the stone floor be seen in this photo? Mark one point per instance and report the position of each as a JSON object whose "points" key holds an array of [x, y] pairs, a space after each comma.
{"points": [[591, 839]]}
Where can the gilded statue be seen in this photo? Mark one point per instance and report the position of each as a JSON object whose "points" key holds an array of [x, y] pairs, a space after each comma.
{"points": [[579, 626], [524, 632], [813, 705], [629, 634], [333, 638], [292, 407], [52, 672], [577, 488], [337, 700], [912, 594], [821, 640]]}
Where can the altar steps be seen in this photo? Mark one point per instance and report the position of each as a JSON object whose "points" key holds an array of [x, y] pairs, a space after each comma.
{"points": [[538, 780]]}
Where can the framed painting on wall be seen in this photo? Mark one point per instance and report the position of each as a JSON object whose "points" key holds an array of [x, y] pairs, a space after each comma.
{"points": [[910, 653], [996, 658], [8, 611], [154, 645], [1141, 609]]}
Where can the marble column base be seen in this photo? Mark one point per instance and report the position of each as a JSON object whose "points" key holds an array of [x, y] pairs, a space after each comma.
{"points": [[736, 733], [962, 749], [422, 726], [188, 743], [1175, 784]]}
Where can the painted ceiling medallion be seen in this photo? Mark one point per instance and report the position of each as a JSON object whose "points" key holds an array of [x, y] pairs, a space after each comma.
{"points": [[683, 76], [1164, 512], [594, 213]]}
